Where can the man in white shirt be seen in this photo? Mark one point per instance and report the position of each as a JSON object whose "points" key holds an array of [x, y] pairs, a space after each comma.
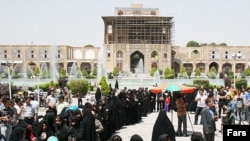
{"points": [[19, 108], [34, 101], [51, 101], [61, 104], [200, 99], [29, 112]]}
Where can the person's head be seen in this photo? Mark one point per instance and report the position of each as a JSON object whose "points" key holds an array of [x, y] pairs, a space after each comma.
{"points": [[211, 95], [18, 133], [58, 120], [32, 97], [61, 98], [52, 92], [209, 102], [27, 100], [18, 101], [6, 102], [197, 136], [201, 91], [115, 138], [136, 137], [228, 97]]}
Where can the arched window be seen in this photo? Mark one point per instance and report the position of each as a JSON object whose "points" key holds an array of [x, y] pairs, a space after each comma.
{"points": [[119, 54], [154, 54]]}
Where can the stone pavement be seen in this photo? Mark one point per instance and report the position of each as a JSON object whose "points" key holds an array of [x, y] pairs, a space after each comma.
{"points": [[145, 128]]}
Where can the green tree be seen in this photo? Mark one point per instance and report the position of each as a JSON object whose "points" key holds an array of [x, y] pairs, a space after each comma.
{"points": [[84, 72], [62, 73], [52, 83], [115, 71], [79, 86], [152, 71], [169, 74], [222, 44], [104, 86], [197, 72], [193, 44], [247, 72], [183, 70], [212, 73], [36, 71], [212, 44], [94, 72], [213, 69]]}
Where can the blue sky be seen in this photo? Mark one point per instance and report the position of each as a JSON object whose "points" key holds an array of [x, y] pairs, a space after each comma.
{"points": [[79, 22]]}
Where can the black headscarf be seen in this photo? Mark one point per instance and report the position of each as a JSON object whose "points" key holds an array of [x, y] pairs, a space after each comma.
{"points": [[17, 134], [39, 130], [88, 123], [136, 137], [163, 126], [62, 132], [98, 94]]}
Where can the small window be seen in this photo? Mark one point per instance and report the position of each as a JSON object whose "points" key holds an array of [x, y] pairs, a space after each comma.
{"points": [[108, 54], [165, 55], [18, 56]]}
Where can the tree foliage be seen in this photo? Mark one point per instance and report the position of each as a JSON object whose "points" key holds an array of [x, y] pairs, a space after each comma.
{"points": [[193, 44], [212, 73], [169, 74], [197, 72], [247, 72], [79, 86], [62, 73], [84, 72], [36, 71], [213, 69], [115, 71], [152, 71], [197, 44], [94, 72], [104, 86]]}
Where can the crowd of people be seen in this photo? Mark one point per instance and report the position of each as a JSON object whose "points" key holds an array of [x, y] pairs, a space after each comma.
{"points": [[229, 104], [90, 121], [99, 119]]}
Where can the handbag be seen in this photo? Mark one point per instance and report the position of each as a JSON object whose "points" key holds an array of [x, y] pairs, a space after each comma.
{"points": [[161, 98], [239, 104]]}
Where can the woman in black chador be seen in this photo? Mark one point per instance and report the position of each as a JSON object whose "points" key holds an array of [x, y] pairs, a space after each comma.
{"points": [[88, 124], [163, 126], [98, 94], [61, 129], [76, 129]]}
